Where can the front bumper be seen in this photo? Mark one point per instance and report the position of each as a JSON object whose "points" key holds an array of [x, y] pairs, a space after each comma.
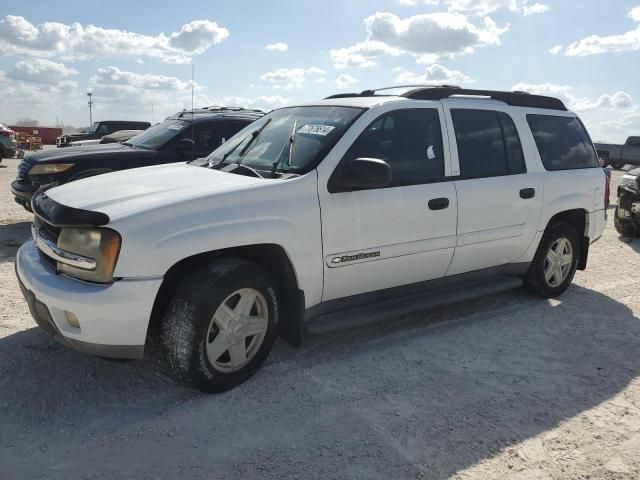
{"points": [[23, 193], [113, 318]]}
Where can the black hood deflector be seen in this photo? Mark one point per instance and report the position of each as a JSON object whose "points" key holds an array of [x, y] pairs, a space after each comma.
{"points": [[58, 215]]}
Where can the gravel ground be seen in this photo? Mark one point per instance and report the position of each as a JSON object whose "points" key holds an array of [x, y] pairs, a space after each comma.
{"points": [[508, 387]]}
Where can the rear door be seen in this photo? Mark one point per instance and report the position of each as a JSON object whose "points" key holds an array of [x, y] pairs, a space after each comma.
{"points": [[499, 203], [401, 234]]}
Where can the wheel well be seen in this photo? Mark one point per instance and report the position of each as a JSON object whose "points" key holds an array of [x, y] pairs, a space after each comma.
{"points": [[579, 220], [272, 258]]}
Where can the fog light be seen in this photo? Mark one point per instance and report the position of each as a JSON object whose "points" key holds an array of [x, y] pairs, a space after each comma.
{"points": [[72, 319]]}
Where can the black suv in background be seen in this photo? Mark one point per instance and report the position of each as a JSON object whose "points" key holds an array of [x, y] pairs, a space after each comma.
{"points": [[181, 137], [99, 130]]}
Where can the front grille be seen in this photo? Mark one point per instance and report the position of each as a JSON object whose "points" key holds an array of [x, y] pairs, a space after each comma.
{"points": [[23, 169], [50, 232]]}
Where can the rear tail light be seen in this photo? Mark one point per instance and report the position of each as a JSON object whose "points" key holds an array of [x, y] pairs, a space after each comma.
{"points": [[607, 190]]}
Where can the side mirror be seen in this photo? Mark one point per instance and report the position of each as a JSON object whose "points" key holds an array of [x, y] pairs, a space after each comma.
{"points": [[361, 174], [185, 145]]}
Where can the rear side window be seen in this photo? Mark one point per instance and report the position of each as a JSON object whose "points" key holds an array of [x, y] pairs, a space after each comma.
{"points": [[410, 141], [488, 143], [563, 142], [634, 142]]}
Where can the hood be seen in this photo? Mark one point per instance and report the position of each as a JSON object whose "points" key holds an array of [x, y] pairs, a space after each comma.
{"points": [[635, 171], [129, 192], [75, 154]]}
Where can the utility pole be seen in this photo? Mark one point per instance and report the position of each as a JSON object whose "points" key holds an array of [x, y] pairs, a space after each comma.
{"points": [[90, 103]]}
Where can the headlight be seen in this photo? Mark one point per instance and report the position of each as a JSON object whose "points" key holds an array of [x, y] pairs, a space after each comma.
{"points": [[49, 168], [630, 181], [100, 244]]}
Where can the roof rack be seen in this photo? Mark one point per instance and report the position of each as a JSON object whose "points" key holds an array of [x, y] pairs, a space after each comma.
{"points": [[430, 92], [217, 109]]}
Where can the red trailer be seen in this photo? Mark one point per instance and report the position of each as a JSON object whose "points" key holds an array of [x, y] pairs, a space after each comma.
{"points": [[47, 134]]}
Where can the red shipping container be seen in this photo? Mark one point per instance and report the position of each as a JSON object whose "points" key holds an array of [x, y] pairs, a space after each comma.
{"points": [[47, 134]]}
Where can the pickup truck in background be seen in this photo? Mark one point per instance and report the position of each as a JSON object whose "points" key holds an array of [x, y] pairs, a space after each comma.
{"points": [[99, 130], [620, 155]]}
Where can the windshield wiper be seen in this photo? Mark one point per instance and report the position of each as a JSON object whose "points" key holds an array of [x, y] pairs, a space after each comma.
{"points": [[252, 137], [291, 144]]}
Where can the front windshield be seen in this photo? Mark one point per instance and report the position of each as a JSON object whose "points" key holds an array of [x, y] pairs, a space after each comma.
{"points": [[155, 137], [286, 140], [92, 128]]}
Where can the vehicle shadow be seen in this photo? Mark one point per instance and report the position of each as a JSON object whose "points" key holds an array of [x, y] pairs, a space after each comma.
{"points": [[12, 235], [420, 397]]}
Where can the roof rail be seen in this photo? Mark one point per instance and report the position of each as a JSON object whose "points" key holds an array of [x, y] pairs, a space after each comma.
{"points": [[372, 92], [440, 92], [519, 99], [216, 109]]}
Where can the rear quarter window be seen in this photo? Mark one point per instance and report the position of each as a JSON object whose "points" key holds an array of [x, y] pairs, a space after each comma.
{"points": [[563, 142]]}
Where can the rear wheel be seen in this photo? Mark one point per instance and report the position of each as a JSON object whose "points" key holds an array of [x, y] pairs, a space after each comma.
{"points": [[555, 262], [220, 325], [1, 156]]}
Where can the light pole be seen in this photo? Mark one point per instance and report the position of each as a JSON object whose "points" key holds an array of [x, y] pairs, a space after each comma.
{"points": [[90, 103]]}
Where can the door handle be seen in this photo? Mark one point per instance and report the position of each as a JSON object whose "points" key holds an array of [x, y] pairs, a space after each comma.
{"points": [[438, 203], [527, 193]]}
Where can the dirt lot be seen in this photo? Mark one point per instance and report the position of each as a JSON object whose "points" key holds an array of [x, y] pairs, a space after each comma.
{"points": [[510, 387]]}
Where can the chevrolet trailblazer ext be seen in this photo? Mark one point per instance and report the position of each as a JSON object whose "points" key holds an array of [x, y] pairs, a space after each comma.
{"points": [[356, 208]]}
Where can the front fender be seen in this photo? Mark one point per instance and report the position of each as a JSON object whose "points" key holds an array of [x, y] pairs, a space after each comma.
{"points": [[289, 216]]}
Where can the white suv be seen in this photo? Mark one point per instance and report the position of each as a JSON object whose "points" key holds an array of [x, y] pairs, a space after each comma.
{"points": [[352, 209]]}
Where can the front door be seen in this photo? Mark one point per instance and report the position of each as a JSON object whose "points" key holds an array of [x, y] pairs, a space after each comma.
{"points": [[398, 235]]}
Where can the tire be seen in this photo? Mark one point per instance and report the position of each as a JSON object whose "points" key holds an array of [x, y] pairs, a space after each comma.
{"points": [[624, 227], [20, 154], [1, 156], [191, 334], [617, 165], [536, 279]]}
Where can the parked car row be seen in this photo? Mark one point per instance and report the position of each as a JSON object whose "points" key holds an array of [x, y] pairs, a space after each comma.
{"points": [[181, 137], [99, 130], [315, 217]]}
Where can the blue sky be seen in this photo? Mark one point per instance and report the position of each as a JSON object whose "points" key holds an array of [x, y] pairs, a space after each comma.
{"points": [[133, 55]]}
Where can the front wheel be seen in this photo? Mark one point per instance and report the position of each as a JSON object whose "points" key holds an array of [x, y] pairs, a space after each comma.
{"points": [[623, 227], [220, 324], [555, 262], [617, 165]]}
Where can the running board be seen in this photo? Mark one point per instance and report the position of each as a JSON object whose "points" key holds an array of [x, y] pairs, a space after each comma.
{"points": [[401, 306]]}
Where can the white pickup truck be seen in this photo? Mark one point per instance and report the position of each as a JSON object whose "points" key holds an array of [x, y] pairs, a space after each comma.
{"points": [[353, 209]]}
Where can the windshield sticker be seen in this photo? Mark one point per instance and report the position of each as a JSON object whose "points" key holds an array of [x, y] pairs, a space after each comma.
{"points": [[312, 129]]}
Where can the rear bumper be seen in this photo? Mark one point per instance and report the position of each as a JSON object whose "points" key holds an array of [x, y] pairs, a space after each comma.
{"points": [[113, 319], [10, 152]]}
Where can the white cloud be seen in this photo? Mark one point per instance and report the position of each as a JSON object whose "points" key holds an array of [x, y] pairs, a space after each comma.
{"points": [[556, 49], [427, 37], [434, 74], [596, 44], [115, 76], [616, 101], [345, 80], [484, 7], [288, 78], [535, 8], [40, 70], [277, 47], [78, 42], [262, 102]]}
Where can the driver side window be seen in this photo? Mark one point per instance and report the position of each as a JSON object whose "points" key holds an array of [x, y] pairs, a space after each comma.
{"points": [[410, 141]]}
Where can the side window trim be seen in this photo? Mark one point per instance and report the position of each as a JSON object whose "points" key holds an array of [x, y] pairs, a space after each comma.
{"points": [[453, 144], [444, 132]]}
